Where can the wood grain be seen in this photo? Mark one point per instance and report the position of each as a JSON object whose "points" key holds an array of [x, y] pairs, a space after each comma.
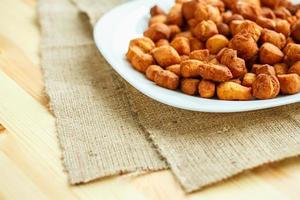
{"points": [[30, 158], [19, 67]]}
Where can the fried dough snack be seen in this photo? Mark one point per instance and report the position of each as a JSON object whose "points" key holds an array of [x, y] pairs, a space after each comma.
{"points": [[296, 30], [282, 68], [235, 26], [292, 52], [289, 83], [175, 69], [217, 73], [207, 12], [144, 43], [139, 60], [158, 19], [152, 70], [166, 79], [277, 39], [207, 89], [268, 13], [162, 42], [249, 79], [270, 3], [283, 26], [226, 49], [196, 68], [174, 30], [265, 69], [295, 68], [248, 10], [247, 27], [202, 55], [189, 8], [223, 29], [158, 31], [236, 65], [189, 86], [245, 45], [166, 56], [196, 44], [270, 54], [215, 43], [156, 10], [233, 91], [266, 86], [205, 29], [266, 23], [175, 15], [190, 68], [181, 45]]}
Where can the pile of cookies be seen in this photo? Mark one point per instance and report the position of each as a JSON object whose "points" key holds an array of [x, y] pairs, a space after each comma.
{"points": [[229, 49]]}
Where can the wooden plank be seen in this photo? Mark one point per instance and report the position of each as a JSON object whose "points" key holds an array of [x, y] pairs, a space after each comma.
{"points": [[17, 65], [10, 55], [16, 179], [19, 24], [31, 127]]}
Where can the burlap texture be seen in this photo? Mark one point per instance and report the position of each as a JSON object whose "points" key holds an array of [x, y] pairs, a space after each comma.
{"points": [[97, 132], [203, 148], [200, 148]]}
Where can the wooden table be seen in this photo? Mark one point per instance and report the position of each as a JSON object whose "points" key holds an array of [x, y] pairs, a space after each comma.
{"points": [[30, 165]]}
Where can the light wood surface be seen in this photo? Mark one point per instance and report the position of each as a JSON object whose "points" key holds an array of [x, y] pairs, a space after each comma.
{"points": [[30, 165]]}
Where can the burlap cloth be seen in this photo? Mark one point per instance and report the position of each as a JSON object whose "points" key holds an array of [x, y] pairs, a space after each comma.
{"points": [[104, 125]]}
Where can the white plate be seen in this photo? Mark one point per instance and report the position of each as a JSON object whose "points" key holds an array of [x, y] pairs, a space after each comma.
{"points": [[112, 34]]}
